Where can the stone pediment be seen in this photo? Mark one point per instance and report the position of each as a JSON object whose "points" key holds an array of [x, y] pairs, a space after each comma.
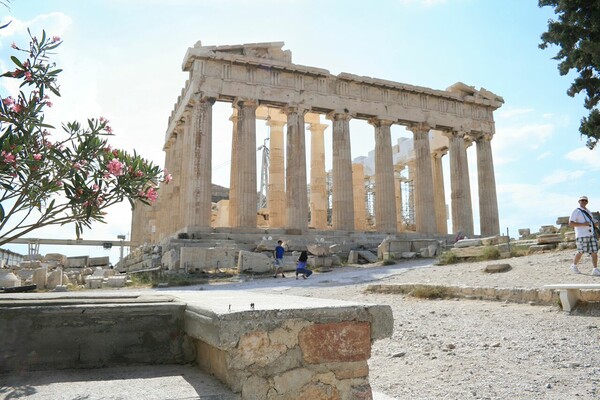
{"points": [[266, 51], [469, 93]]}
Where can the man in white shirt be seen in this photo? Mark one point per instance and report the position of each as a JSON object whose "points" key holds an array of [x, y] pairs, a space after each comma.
{"points": [[583, 222]]}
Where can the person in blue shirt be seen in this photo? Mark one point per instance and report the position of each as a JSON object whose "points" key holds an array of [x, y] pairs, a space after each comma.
{"points": [[301, 266], [279, 250]]}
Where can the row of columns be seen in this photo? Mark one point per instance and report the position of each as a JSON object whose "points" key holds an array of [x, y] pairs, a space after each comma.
{"points": [[287, 203]]}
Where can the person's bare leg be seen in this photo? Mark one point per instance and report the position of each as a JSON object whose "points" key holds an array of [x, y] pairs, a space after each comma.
{"points": [[578, 257]]}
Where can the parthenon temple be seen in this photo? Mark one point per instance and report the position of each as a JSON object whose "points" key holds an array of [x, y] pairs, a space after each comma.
{"points": [[261, 83]]}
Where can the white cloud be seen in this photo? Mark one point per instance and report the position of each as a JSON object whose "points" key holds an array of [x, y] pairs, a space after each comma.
{"points": [[560, 176], [585, 157], [531, 136], [544, 155], [507, 113]]}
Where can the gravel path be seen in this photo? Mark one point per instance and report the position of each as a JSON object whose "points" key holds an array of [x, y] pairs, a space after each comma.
{"points": [[469, 349]]}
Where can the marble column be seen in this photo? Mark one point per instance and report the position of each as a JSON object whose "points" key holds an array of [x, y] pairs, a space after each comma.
{"points": [[385, 197], [199, 211], [176, 172], [439, 194], [318, 182], [462, 210], [246, 198], [295, 173], [233, 201], [276, 200], [342, 217], [488, 202], [398, 190], [360, 203], [423, 182], [186, 162]]}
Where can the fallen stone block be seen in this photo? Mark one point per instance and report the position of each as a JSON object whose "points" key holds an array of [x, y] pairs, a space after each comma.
{"points": [[94, 282], [496, 268], [318, 249], [548, 238], [367, 255], [562, 221], [320, 262], [353, 257], [541, 247], [463, 252], [524, 232], [494, 240], [255, 262], [548, 229], [467, 243], [116, 281]]}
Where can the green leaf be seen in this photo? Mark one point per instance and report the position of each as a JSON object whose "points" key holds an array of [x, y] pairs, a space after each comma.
{"points": [[17, 62]]}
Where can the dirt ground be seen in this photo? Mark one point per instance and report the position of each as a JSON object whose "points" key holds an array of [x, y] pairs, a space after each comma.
{"points": [[471, 349]]}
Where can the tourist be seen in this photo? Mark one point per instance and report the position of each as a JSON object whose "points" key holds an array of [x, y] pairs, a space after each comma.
{"points": [[279, 250], [585, 235], [301, 266]]}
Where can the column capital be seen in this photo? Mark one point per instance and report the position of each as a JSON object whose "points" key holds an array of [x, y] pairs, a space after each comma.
{"points": [[419, 127], [243, 102], [378, 122], [317, 127], [202, 98], [439, 153], [275, 123], [339, 115], [300, 109]]}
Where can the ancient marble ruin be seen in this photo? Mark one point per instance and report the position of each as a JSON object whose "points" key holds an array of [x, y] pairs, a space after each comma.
{"points": [[261, 82]]}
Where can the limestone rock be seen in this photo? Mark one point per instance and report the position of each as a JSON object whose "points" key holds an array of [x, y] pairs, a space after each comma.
{"points": [[463, 252], [255, 262], [548, 238], [467, 243], [266, 245], [318, 249], [495, 268], [548, 229], [494, 240]]}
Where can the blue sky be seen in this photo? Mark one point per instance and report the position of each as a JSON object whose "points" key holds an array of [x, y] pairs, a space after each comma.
{"points": [[122, 60]]}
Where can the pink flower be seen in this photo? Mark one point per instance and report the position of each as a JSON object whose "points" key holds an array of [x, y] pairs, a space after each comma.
{"points": [[77, 165], [103, 120], [95, 187], [152, 195], [18, 108], [115, 167], [59, 183], [108, 129], [14, 45], [28, 76], [168, 178], [55, 39], [37, 156], [26, 64], [9, 158], [49, 103], [9, 101]]}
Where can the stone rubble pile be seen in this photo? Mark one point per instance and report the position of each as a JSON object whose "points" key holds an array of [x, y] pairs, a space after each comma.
{"points": [[58, 272]]}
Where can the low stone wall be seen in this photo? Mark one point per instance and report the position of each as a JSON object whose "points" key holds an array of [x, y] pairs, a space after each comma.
{"points": [[42, 332], [516, 295], [287, 347]]}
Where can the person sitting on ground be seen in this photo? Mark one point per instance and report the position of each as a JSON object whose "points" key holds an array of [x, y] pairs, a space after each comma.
{"points": [[585, 235], [301, 266], [279, 250]]}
